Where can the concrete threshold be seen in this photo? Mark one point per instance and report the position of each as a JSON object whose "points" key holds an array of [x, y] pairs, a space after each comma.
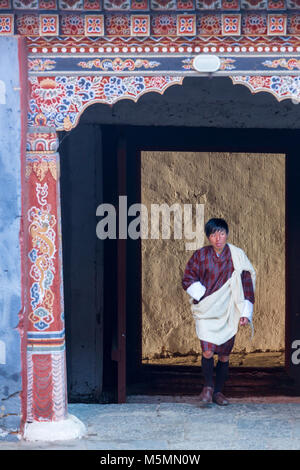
{"points": [[194, 399], [167, 423]]}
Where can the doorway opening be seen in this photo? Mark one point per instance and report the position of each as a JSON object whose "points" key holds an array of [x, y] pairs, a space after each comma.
{"points": [[155, 363], [89, 176], [247, 190]]}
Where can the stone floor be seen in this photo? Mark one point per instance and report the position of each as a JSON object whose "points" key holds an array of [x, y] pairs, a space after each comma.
{"points": [[171, 423]]}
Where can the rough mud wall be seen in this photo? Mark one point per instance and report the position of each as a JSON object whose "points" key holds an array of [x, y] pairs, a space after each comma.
{"points": [[248, 190]]}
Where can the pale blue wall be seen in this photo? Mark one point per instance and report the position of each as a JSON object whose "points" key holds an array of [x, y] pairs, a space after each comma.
{"points": [[10, 213]]}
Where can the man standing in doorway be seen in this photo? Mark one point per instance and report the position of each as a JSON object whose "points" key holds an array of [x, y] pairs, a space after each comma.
{"points": [[220, 281]]}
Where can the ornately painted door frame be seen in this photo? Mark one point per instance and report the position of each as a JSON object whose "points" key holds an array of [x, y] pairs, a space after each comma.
{"points": [[60, 87]]}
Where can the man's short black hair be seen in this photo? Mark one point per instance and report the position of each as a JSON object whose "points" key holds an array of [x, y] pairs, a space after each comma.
{"points": [[213, 225]]}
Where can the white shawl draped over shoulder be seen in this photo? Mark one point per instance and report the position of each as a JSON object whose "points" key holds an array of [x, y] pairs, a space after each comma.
{"points": [[217, 315]]}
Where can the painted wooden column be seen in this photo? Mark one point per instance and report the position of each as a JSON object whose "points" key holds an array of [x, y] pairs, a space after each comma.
{"points": [[46, 396], [46, 378]]}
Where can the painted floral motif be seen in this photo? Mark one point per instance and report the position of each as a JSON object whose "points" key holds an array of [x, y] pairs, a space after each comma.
{"points": [[185, 4], [254, 24], [25, 4], [277, 24], [293, 4], [209, 25], [71, 4], [139, 4], [231, 24], [42, 235], [41, 168], [188, 64], [4, 4], [286, 86], [42, 142], [116, 4], [118, 64], [28, 25], [186, 25], [164, 25], [227, 64], [230, 4], [72, 24], [208, 4], [49, 93], [289, 64], [283, 87], [47, 4], [6, 24], [276, 4], [170, 23], [41, 317], [140, 25], [62, 99], [294, 24], [94, 25], [92, 5], [49, 25], [117, 25], [163, 4], [253, 4]]}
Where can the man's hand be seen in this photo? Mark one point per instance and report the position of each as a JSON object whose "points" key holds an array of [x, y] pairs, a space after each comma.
{"points": [[244, 321]]}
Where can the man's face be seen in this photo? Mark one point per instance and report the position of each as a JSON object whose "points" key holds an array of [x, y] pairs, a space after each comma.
{"points": [[218, 240]]}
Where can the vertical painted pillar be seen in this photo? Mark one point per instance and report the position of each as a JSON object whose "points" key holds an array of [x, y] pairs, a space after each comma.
{"points": [[46, 398]]}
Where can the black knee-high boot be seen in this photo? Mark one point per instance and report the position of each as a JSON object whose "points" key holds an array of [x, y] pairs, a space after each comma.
{"points": [[207, 370], [221, 375]]}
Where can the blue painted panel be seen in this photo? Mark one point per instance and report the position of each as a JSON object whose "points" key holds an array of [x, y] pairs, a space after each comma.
{"points": [[10, 213], [159, 64]]}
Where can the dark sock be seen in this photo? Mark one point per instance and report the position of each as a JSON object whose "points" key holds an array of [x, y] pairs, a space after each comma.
{"points": [[207, 370], [221, 375]]}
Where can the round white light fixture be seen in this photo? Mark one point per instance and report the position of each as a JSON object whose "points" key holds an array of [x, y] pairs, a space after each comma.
{"points": [[206, 63]]}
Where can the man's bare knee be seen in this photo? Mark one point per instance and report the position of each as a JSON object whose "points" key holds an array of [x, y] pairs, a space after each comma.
{"points": [[224, 358], [208, 354]]}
